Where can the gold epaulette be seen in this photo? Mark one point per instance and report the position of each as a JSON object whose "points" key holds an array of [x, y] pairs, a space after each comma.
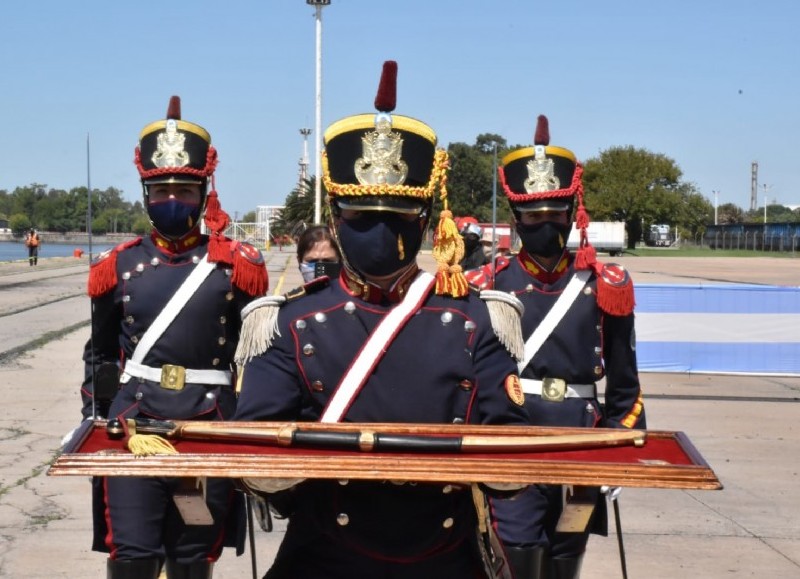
{"points": [[505, 312], [259, 327], [260, 320]]}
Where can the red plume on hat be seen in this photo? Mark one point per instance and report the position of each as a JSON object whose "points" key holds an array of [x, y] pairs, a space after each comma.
{"points": [[542, 135], [386, 99], [174, 108]]}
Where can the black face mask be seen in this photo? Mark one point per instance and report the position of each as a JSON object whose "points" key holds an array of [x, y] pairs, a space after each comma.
{"points": [[471, 242], [173, 218], [380, 243], [545, 239]]}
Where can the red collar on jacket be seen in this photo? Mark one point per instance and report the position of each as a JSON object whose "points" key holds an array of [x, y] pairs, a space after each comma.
{"points": [[369, 292], [538, 271], [177, 246]]}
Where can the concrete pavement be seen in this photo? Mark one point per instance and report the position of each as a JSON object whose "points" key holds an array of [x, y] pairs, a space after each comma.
{"points": [[745, 427]]}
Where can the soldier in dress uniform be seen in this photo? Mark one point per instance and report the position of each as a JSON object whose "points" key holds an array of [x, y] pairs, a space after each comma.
{"points": [[474, 255], [165, 325], [332, 352], [578, 328]]}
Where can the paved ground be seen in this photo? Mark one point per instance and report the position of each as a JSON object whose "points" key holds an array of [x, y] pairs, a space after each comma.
{"points": [[745, 427]]}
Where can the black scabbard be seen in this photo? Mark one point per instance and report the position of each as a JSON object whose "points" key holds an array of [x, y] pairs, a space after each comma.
{"points": [[376, 442]]}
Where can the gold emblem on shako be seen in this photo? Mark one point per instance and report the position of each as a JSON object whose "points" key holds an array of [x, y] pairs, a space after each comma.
{"points": [[381, 161], [170, 151]]}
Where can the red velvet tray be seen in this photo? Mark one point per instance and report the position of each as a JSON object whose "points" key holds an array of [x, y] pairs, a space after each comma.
{"points": [[666, 460]]}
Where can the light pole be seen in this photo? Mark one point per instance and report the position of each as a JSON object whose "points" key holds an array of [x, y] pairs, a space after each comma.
{"points": [[494, 207], [304, 161], [716, 204], [318, 5], [766, 190]]}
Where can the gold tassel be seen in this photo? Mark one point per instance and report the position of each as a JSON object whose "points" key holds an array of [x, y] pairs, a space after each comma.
{"points": [[479, 499], [149, 445], [259, 328], [448, 251], [401, 253], [505, 312]]}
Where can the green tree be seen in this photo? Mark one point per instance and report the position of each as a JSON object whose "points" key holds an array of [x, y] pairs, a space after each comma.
{"points": [[19, 223], [471, 178], [141, 225], [781, 214], [25, 200], [298, 211], [641, 188], [729, 214]]}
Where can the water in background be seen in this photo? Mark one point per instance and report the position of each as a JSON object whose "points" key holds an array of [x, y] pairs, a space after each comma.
{"points": [[12, 251]]}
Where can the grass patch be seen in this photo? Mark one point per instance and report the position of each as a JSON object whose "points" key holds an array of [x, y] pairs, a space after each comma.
{"points": [[706, 252]]}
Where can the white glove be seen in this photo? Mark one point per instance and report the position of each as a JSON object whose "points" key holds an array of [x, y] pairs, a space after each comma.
{"points": [[68, 436], [611, 492], [271, 485]]}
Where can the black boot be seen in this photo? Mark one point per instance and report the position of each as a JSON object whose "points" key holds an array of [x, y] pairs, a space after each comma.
{"points": [[133, 569], [527, 562], [565, 567], [197, 570]]}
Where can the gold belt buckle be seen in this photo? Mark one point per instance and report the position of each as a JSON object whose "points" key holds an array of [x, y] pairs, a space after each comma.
{"points": [[173, 377], [554, 389]]}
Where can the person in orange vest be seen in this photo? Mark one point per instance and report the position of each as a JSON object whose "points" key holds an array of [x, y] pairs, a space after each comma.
{"points": [[32, 242]]}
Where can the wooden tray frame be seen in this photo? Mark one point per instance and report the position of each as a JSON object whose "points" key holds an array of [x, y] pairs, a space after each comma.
{"points": [[559, 468]]}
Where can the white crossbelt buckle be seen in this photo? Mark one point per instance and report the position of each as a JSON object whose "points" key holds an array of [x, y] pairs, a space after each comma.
{"points": [[554, 389]]}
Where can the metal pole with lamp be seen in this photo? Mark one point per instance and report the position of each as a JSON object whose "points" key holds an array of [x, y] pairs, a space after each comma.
{"points": [[318, 5], [494, 208], [716, 205]]}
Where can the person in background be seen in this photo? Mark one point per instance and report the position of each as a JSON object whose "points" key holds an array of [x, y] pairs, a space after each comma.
{"points": [[32, 242], [504, 245], [165, 325], [439, 360], [316, 245], [474, 256], [590, 336]]}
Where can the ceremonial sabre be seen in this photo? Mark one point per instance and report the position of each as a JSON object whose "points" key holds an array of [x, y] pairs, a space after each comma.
{"points": [[291, 434]]}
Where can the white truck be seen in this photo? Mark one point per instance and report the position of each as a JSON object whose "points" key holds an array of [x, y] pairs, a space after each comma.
{"points": [[660, 236], [605, 236]]}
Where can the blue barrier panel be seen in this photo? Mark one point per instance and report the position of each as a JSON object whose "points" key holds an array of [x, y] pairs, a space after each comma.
{"points": [[736, 328]]}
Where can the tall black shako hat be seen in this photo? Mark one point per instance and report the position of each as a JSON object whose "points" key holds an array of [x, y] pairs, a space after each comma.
{"points": [[173, 150], [545, 177], [386, 162]]}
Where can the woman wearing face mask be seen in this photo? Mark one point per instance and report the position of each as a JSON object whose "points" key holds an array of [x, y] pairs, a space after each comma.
{"points": [[316, 245]]}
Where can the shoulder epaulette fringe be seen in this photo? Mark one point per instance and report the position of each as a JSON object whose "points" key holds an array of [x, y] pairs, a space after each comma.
{"points": [[615, 293], [505, 312], [249, 270], [103, 271], [259, 328]]}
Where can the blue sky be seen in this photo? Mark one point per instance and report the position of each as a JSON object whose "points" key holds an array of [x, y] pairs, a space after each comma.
{"points": [[713, 84]]}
